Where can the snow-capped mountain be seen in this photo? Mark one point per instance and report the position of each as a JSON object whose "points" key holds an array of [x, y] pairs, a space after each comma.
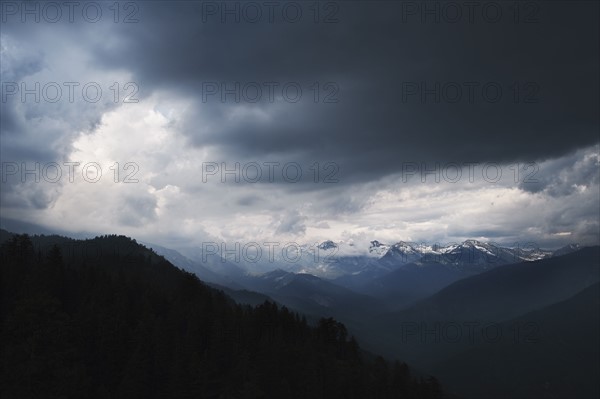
{"points": [[333, 260], [467, 253], [470, 256], [326, 245], [401, 253], [378, 249], [307, 276], [353, 263]]}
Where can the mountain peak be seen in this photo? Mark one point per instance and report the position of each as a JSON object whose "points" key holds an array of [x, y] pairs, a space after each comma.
{"points": [[325, 245], [377, 248], [403, 246]]}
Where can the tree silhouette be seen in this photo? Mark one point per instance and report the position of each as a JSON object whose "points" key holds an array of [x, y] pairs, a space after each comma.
{"points": [[120, 321]]}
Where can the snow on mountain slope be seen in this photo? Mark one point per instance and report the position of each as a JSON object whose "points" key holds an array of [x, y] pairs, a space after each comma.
{"points": [[353, 263]]}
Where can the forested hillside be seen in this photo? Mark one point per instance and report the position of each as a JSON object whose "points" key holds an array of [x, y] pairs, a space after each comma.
{"points": [[125, 323]]}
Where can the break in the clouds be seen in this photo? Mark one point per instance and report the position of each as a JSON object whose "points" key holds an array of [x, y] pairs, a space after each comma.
{"points": [[345, 121]]}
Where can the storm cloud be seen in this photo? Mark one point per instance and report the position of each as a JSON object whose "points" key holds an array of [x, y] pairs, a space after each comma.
{"points": [[356, 113]]}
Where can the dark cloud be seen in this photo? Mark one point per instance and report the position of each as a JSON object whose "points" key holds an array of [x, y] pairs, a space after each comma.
{"points": [[248, 200], [548, 113], [374, 58], [564, 176]]}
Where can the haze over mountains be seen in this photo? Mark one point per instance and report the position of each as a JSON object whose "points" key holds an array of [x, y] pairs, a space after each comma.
{"points": [[334, 260], [437, 308], [398, 274]]}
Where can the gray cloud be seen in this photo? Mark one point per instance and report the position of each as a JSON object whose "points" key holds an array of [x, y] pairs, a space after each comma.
{"points": [[370, 133], [138, 211], [291, 223], [566, 175], [369, 54]]}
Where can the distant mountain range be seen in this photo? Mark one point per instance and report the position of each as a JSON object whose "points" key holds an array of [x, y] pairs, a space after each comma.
{"points": [[351, 265], [406, 272], [393, 275], [489, 298]]}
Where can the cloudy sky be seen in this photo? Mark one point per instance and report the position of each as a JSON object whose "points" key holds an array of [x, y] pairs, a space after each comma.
{"points": [[183, 122]]}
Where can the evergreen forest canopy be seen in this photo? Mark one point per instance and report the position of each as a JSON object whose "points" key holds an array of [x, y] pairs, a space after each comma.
{"points": [[120, 321]]}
